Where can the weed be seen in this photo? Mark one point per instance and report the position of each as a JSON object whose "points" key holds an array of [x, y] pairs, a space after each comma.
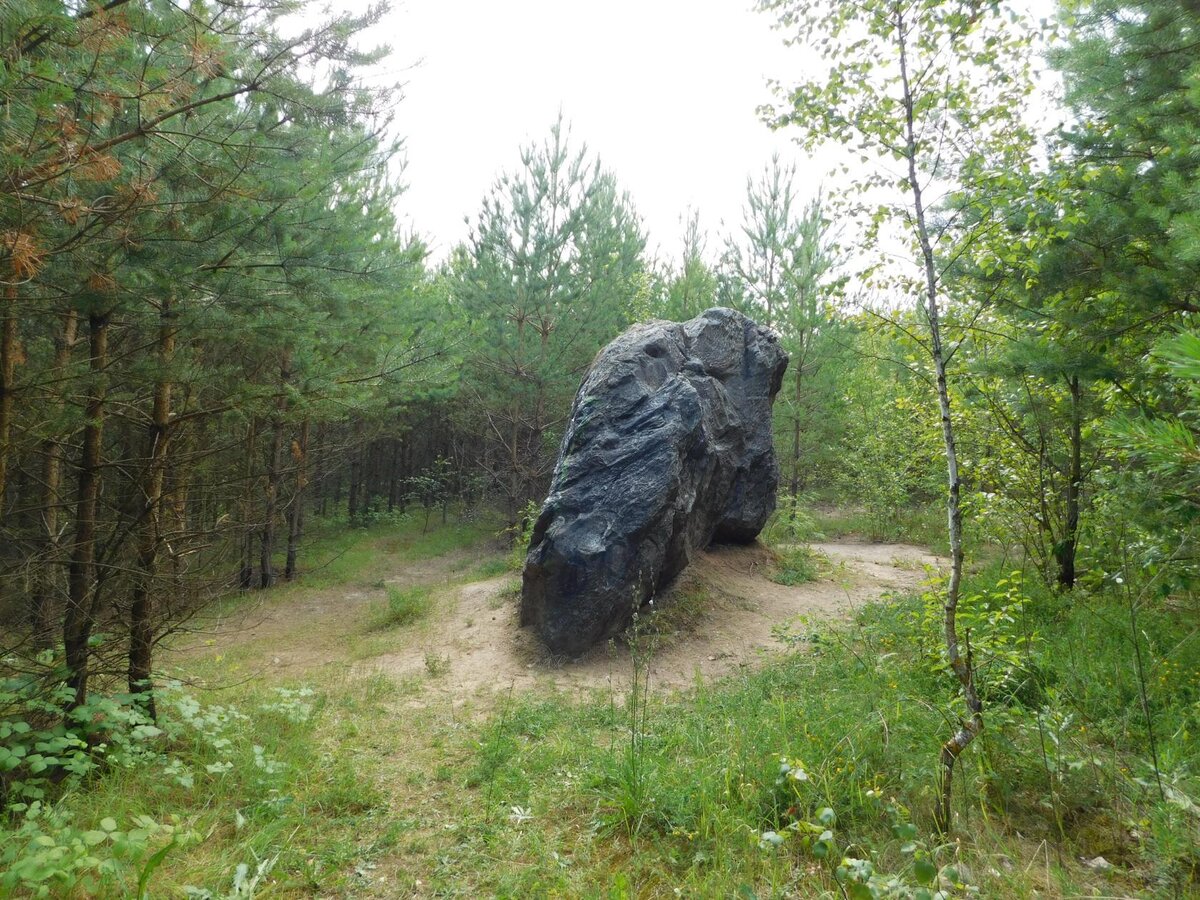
{"points": [[404, 607], [520, 534], [510, 594], [797, 565], [634, 797], [491, 568], [435, 665]]}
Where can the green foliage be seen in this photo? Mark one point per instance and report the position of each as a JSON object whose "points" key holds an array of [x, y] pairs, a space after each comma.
{"points": [[548, 276], [797, 565], [774, 269], [997, 626], [520, 534], [812, 832], [891, 455], [46, 849], [792, 523], [45, 854], [692, 794], [692, 287], [44, 743], [405, 606], [432, 488], [1166, 444], [233, 183]]}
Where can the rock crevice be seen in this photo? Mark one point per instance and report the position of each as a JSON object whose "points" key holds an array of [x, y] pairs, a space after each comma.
{"points": [[668, 448]]}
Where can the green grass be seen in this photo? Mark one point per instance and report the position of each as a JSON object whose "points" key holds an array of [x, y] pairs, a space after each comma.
{"points": [[796, 565], [864, 715], [922, 525], [333, 554], [411, 543], [404, 606], [648, 795], [491, 568]]}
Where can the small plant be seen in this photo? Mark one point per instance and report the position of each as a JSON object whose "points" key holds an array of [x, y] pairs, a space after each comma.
{"points": [[791, 524], [404, 607], [436, 665], [432, 489], [632, 778], [491, 568], [520, 535], [813, 832], [245, 885], [46, 746], [797, 565], [994, 621], [46, 855]]}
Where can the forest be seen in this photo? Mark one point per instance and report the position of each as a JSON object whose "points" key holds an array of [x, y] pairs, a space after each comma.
{"points": [[266, 463]]}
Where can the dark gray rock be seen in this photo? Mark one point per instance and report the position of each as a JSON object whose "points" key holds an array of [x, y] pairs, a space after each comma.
{"points": [[668, 448]]}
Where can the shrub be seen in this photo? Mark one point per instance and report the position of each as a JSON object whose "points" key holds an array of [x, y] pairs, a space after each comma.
{"points": [[796, 566]]}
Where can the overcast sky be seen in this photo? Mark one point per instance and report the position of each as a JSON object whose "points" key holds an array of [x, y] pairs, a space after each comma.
{"points": [[663, 90]]}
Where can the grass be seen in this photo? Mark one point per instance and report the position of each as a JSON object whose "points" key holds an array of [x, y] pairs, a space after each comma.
{"points": [[410, 543], [404, 606], [681, 609], [491, 568], [866, 722], [796, 565], [383, 789], [922, 525]]}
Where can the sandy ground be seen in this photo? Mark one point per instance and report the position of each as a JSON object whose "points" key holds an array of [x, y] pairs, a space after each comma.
{"points": [[300, 628], [475, 646], [720, 616]]}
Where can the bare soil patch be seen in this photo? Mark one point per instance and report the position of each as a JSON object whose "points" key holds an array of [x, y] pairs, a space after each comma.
{"points": [[720, 616], [473, 647]]}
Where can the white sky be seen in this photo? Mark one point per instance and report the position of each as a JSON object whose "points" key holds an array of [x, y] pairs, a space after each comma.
{"points": [[664, 91]]}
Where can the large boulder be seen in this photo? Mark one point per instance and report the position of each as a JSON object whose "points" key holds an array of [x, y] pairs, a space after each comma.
{"points": [[668, 448]]}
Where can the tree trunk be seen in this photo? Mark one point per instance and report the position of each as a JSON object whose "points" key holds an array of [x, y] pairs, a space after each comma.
{"points": [[177, 495], [274, 463], [8, 370], [320, 469], [141, 611], [392, 474], [794, 487], [296, 513], [960, 662], [352, 510], [47, 576], [81, 574], [246, 572], [1068, 543], [405, 473]]}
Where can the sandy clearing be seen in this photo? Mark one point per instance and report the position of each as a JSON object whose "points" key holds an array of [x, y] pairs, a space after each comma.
{"points": [[474, 649]]}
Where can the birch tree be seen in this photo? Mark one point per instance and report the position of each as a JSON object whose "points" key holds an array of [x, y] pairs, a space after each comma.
{"points": [[928, 96]]}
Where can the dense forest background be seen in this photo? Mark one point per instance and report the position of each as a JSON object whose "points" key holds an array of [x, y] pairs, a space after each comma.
{"points": [[214, 338]]}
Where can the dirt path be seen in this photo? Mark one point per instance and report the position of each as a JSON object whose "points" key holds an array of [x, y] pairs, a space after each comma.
{"points": [[719, 617], [300, 628]]}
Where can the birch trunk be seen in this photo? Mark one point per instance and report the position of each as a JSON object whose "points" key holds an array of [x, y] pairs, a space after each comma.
{"points": [[960, 661]]}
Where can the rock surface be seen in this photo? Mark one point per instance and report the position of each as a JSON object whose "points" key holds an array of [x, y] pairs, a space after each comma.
{"points": [[668, 448]]}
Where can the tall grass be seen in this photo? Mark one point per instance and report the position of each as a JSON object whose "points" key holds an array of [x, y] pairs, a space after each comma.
{"points": [[644, 794], [403, 606]]}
